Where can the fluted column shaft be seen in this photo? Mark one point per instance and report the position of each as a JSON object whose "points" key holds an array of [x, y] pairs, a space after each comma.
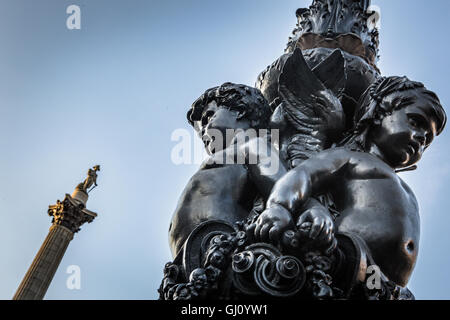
{"points": [[41, 272]]}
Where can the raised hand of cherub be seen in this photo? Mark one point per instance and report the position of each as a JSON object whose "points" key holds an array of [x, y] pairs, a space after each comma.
{"points": [[316, 224], [272, 224]]}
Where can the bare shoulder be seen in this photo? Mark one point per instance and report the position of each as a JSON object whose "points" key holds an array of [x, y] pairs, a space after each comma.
{"points": [[354, 157], [213, 179], [342, 155], [354, 164], [220, 162], [214, 161], [409, 191], [260, 146]]}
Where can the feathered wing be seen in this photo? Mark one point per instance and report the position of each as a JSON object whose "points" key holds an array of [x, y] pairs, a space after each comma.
{"points": [[331, 72], [311, 104]]}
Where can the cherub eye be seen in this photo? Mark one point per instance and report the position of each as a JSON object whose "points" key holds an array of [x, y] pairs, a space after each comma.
{"points": [[417, 121], [413, 122]]}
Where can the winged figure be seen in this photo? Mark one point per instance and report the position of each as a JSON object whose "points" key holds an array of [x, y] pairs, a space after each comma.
{"points": [[311, 105]]}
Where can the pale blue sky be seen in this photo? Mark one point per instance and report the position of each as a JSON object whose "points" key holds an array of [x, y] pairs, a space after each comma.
{"points": [[113, 92]]}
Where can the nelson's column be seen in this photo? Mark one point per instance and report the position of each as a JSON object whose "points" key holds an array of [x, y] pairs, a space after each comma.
{"points": [[68, 216]]}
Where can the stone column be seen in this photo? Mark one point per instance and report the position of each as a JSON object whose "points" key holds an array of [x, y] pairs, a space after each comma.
{"points": [[68, 216]]}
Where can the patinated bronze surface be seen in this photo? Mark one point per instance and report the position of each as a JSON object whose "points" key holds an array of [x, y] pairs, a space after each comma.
{"points": [[312, 212]]}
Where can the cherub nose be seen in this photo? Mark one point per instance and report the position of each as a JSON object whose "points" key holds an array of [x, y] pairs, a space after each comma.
{"points": [[420, 137]]}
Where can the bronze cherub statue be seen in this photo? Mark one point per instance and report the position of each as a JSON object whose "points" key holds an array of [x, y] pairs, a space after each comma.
{"points": [[336, 208]]}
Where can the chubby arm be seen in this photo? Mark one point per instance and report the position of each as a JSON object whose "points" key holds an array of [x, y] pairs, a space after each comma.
{"points": [[264, 164], [211, 194], [292, 196], [308, 179], [257, 156], [315, 222]]}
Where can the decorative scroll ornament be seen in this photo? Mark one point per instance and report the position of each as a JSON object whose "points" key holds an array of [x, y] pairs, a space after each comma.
{"points": [[235, 267], [262, 269]]}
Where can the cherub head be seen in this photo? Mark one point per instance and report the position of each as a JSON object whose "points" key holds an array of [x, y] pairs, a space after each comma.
{"points": [[229, 106], [398, 119]]}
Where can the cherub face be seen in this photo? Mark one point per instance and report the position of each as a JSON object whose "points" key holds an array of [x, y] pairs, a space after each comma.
{"points": [[213, 126], [403, 136]]}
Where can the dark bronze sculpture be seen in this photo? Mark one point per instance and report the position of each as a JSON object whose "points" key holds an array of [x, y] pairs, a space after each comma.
{"points": [[334, 208], [219, 191]]}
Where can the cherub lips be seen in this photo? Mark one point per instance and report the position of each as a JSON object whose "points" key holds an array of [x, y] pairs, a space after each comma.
{"points": [[207, 140], [413, 148]]}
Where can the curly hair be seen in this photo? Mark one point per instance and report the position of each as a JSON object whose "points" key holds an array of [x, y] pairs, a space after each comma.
{"points": [[237, 97], [372, 109]]}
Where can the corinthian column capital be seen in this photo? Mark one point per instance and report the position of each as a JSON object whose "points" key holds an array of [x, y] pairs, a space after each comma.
{"points": [[70, 213]]}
